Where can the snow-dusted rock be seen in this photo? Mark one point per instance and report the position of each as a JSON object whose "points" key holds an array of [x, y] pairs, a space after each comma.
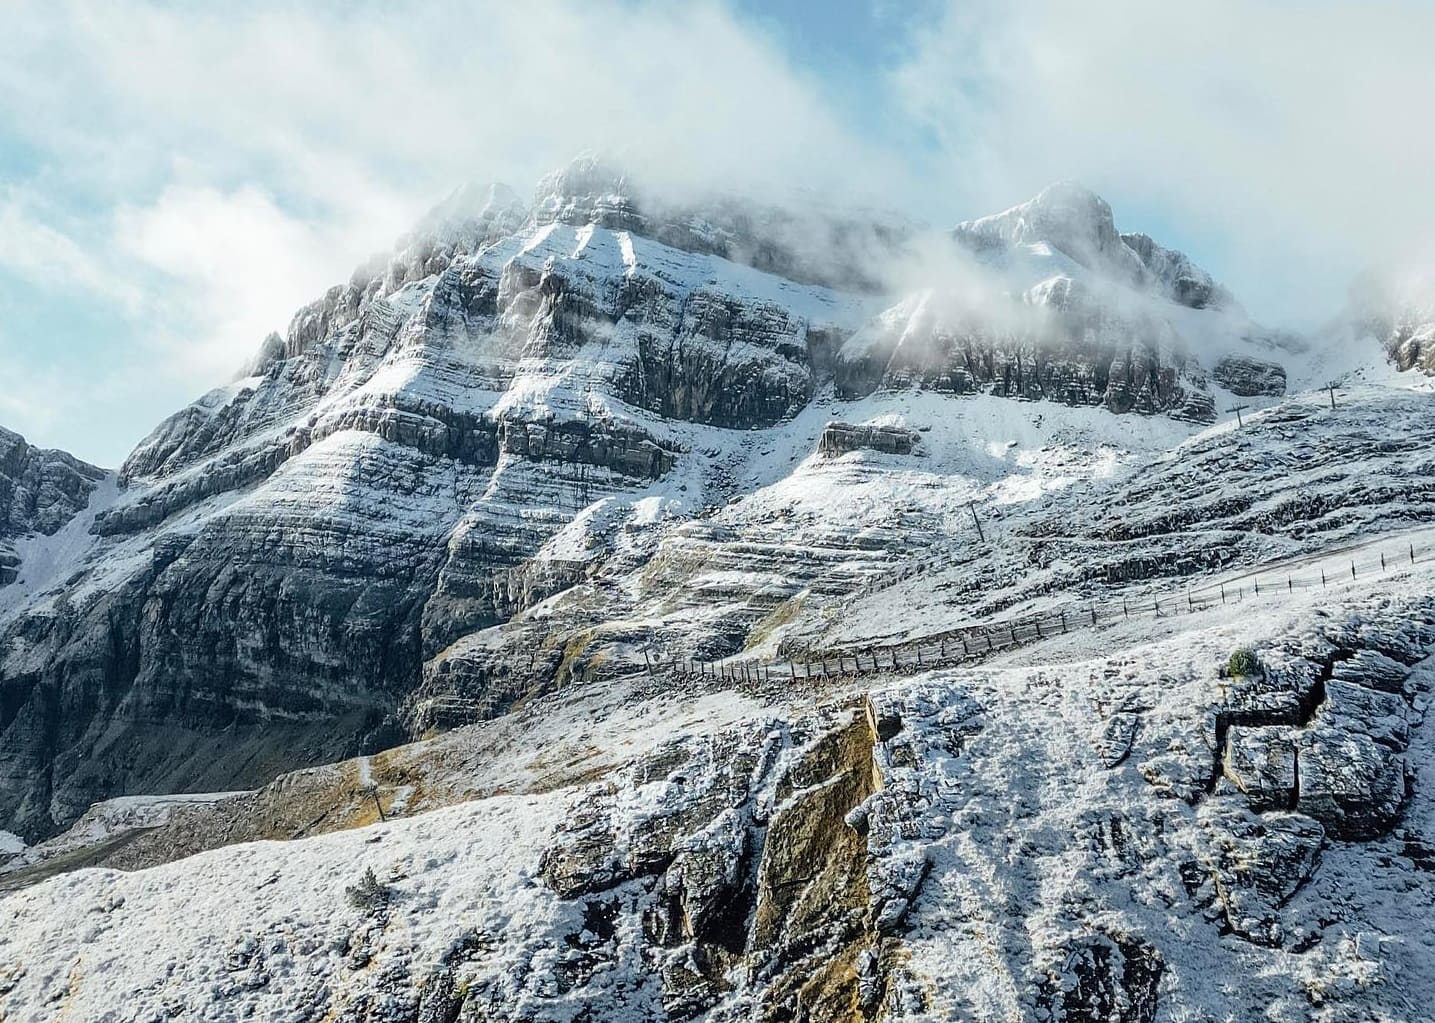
{"points": [[1249, 377], [40, 491]]}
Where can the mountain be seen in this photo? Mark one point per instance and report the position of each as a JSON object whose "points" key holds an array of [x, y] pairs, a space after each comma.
{"points": [[1102, 821], [615, 606], [527, 400], [40, 492]]}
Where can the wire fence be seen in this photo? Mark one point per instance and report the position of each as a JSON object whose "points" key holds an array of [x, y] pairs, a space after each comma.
{"points": [[955, 647], [973, 643]]}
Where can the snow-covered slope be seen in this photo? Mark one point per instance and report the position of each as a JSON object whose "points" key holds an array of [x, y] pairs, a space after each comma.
{"points": [[422, 592], [1102, 826]]}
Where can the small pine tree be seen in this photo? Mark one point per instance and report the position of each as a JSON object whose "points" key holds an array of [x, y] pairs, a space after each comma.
{"points": [[368, 896], [1243, 662]]}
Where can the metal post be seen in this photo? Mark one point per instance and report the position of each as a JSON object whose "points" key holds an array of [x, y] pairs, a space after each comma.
{"points": [[972, 507]]}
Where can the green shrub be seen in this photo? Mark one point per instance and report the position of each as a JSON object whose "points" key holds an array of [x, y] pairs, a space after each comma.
{"points": [[368, 896], [1243, 662]]}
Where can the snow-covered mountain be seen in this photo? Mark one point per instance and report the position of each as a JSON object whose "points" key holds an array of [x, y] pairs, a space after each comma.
{"points": [[521, 396], [41, 491], [601, 470]]}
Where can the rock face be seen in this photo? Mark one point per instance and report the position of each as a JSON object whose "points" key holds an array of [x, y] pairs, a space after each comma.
{"points": [[40, 491], [1064, 344], [840, 438], [521, 395], [1083, 318], [1250, 377]]}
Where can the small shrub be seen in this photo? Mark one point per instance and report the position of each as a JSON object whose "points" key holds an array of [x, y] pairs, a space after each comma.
{"points": [[368, 896], [1243, 662]]}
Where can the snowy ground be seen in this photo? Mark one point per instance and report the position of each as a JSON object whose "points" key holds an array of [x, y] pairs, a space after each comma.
{"points": [[1035, 849]]}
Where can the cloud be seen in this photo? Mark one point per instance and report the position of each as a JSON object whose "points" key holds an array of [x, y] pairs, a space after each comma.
{"points": [[207, 168], [235, 259], [44, 256], [228, 163], [1286, 135]]}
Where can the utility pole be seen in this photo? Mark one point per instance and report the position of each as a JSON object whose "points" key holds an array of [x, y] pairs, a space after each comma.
{"points": [[1237, 410], [972, 507]]}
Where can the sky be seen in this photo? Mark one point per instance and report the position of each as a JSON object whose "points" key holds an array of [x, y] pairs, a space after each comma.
{"points": [[176, 179]]}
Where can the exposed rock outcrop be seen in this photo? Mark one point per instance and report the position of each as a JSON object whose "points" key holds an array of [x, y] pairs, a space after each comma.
{"points": [[1250, 377], [40, 491], [841, 438]]}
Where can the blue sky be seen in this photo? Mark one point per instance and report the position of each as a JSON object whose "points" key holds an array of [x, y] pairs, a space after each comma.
{"points": [[176, 179]]}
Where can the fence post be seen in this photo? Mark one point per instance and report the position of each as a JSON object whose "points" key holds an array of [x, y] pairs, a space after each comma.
{"points": [[1190, 604], [792, 670], [1382, 561], [1038, 629], [1412, 554], [1124, 608], [1093, 614], [1352, 570], [1258, 587], [1322, 578], [1223, 593], [1063, 622], [1290, 586]]}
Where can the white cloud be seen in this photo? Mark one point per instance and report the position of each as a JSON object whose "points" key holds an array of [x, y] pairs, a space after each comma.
{"points": [[44, 256], [239, 264], [233, 162], [225, 163], [1291, 134]]}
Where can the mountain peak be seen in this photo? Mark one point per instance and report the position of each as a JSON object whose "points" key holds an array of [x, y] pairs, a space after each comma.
{"points": [[587, 190], [1072, 219], [1065, 215]]}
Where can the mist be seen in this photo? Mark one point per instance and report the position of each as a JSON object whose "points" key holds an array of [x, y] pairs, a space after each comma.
{"points": [[187, 177]]}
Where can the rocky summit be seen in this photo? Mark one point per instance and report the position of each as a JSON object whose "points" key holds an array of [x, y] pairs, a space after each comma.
{"points": [[611, 606]]}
